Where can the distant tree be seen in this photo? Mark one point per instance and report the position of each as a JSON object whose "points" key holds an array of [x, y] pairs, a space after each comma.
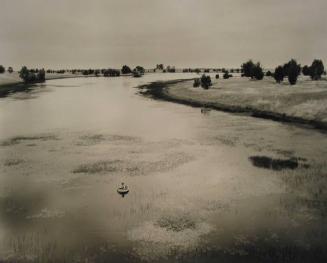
{"points": [[247, 69], [257, 72], [205, 81], [24, 73], [2, 69], [226, 75], [306, 70], [217, 76], [269, 74], [196, 83], [41, 75], [31, 77], [251, 70], [126, 70], [171, 69], [10, 70], [97, 72], [139, 69], [279, 74], [111, 73], [197, 70], [292, 70], [206, 70], [316, 69], [160, 66]]}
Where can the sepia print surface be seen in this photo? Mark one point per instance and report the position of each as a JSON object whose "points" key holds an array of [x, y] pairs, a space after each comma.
{"points": [[163, 131]]}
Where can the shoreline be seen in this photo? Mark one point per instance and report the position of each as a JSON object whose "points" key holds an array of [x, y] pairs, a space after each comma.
{"points": [[160, 90], [17, 86]]}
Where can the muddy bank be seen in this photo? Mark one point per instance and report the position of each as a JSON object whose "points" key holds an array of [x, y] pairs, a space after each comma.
{"points": [[165, 91]]}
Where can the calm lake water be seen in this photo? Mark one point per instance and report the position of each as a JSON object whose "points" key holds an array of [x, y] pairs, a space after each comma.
{"points": [[195, 195]]}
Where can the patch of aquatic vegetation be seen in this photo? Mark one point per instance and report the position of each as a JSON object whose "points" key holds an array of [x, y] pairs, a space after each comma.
{"points": [[92, 139], [99, 167], [166, 236], [19, 139], [274, 164], [312, 181], [176, 223], [134, 168], [226, 141], [13, 162], [46, 214]]}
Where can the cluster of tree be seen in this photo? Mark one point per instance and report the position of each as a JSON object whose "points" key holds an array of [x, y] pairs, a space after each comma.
{"points": [[252, 70], [291, 70], [3, 70], [204, 82], [171, 69], [111, 73], [315, 70], [32, 76]]}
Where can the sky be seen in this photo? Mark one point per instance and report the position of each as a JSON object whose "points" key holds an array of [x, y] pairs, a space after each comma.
{"points": [[184, 33]]}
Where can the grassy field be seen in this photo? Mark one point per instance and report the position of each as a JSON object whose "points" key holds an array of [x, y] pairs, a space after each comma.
{"points": [[305, 102]]}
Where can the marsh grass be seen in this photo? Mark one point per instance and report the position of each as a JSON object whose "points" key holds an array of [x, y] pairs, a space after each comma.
{"points": [[13, 162], [176, 223], [19, 139], [274, 164], [99, 167]]}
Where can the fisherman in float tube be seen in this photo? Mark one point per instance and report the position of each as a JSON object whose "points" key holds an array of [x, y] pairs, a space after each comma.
{"points": [[123, 189]]}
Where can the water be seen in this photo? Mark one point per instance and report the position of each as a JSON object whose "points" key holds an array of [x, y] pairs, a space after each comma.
{"points": [[194, 193]]}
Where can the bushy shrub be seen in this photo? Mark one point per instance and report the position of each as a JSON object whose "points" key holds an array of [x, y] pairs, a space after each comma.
{"points": [[257, 72], [217, 76], [196, 83], [279, 74], [269, 74], [10, 70], [126, 70], [292, 70], [205, 81], [251, 70], [227, 75], [316, 69], [306, 70], [41, 75], [139, 69], [247, 69], [2, 69]]}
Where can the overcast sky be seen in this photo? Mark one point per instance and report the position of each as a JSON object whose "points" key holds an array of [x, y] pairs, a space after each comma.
{"points": [[196, 33]]}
